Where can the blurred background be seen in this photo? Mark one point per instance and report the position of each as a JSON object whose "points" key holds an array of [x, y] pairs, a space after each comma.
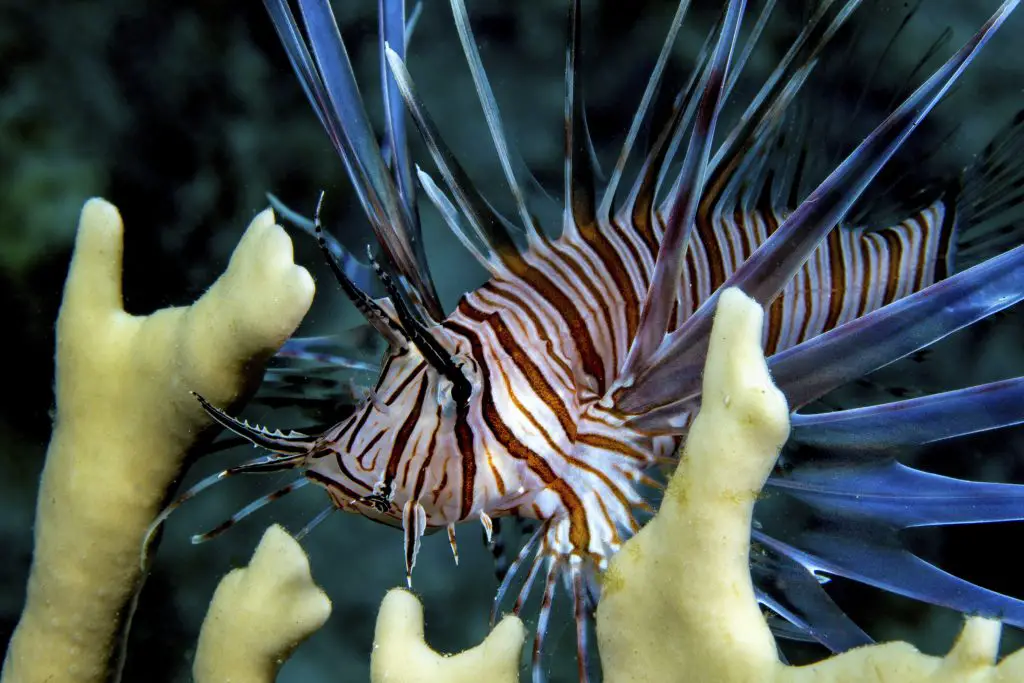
{"points": [[185, 114]]}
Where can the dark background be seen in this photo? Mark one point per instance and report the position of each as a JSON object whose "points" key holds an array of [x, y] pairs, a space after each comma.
{"points": [[185, 114]]}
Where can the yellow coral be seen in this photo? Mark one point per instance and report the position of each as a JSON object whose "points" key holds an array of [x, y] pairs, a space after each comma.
{"points": [[124, 423], [400, 655], [259, 614]]}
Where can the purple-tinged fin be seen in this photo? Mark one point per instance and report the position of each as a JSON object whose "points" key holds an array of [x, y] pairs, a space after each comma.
{"points": [[327, 78], [882, 491], [393, 29], [669, 376], [917, 420], [810, 370], [661, 296], [323, 351], [868, 555], [489, 227], [796, 595], [859, 503]]}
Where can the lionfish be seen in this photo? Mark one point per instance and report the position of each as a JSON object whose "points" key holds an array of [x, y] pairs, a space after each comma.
{"points": [[555, 391]]}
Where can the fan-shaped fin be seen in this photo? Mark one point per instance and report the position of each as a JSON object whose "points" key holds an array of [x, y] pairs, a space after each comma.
{"points": [[661, 296], [664, 379], [327, 78], [486, 223]]}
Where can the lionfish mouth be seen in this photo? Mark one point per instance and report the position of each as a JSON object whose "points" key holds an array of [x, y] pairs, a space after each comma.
{"points": [[615, 313]]}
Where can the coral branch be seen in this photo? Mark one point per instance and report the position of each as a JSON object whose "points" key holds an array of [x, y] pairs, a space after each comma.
{"points": [[259, 614], [678, 597], [400, 655], [124, 423]]}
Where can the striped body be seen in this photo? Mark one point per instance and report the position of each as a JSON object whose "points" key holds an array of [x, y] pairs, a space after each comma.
{"points": [[543, 344]]}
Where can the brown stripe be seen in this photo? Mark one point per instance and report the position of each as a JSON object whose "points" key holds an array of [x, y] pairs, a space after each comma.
{"points": [[594, 471], [611, 525], [534, 377], [808, 301], [642, 215], [895, 245], [921, 272], [567, 309], [408, 464], [864, 274], [343, 468], [747, 241], [776, 310], [332, 487], [337, 437], [609, 444], [362, 423], [421, 478], [521, 306], [498, 480], [387, 366], [837, 272], [366, 449], [596, 295], [467, 453], [634, 256], [405, 383], [443, 484], [775, 318], [579, 534], [943, 261], [715, 261], [612, 262], [402, 437]]}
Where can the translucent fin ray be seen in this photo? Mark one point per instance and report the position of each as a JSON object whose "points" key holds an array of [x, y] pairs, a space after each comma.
{"points": [[917, 420], [778, 259], [891, 568], [796, 595], [357, 271], [491, 113], [327, 78], [661, 298], [898, 496], [393, 30], [580, 192], [606, 208], [483, 219]]}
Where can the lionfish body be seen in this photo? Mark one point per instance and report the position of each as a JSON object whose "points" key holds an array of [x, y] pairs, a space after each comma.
{"points": [[551, 391], [542, 350]]}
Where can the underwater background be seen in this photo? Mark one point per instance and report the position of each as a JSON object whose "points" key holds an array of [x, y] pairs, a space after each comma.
{"points": [[185, 114]]}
